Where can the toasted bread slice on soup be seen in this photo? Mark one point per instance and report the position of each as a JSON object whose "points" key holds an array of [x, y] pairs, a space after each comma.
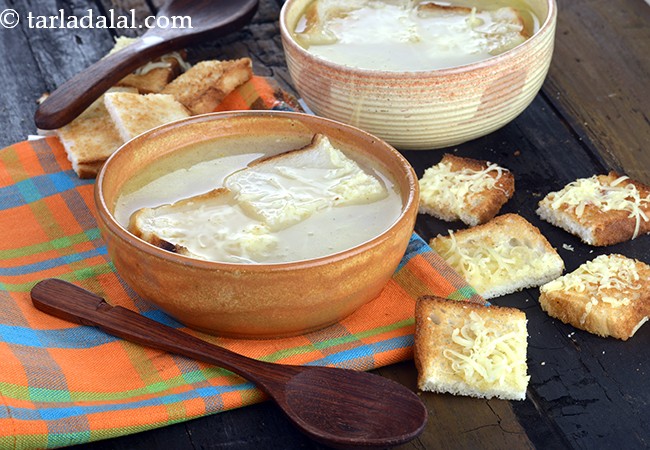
{"points": [[317, 16], [494, 31], [133, 114], [270, 194], [284, 189], [468, 349], [201, 225], [465, 189], [155, 75], [607, 296], [601, 210], [502, 256], [91, 138], [203, 86]]}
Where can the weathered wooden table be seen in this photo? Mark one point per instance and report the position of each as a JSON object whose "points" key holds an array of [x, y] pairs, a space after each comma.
{"points": [[592, 115]]}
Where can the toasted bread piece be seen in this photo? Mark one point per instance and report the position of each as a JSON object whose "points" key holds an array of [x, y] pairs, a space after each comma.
{"points": [[133, 114], [463, 348], [91, 138], [285, 189], [206, 84], [467, 30], [154, 75], [88, 170], [153, 81], [502, 256], [601, 210], [465, 189], [317, 16], [209, 226], [496, 31], [607, 296]]}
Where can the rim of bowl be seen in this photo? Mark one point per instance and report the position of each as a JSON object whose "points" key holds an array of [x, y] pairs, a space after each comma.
{"points": [[494, 60], [115, 227]]}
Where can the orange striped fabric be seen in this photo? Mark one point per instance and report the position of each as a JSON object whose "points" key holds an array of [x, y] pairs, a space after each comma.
{"points": [[64, 384]]}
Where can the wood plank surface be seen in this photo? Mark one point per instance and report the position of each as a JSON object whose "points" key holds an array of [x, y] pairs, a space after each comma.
{"points": [[600, 79], [592, 116]]}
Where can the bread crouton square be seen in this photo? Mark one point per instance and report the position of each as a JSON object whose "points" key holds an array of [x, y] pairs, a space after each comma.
{"points": [[505, 255], [465, 189], [601, 210], [607, 296], [133, 114], [206, 84], [91, 138], [468, 349]]}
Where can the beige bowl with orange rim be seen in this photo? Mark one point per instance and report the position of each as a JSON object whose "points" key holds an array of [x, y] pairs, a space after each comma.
{"points": [[254, 300], [424, 109]]}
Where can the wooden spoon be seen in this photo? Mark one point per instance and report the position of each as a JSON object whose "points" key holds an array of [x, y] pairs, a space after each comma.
{"points": [[210, 19], [337, 407]]}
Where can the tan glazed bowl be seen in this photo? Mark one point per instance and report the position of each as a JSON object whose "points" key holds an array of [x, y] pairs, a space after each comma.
{"points": [[254, 300], [427, 109]]}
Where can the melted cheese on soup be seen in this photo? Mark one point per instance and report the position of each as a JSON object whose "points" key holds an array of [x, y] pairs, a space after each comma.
{"points": [[345, 200], [409, 35]]}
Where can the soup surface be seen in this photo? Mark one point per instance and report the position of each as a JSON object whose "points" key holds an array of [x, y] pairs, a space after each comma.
{"points": [[411, 35], [218, 227]]}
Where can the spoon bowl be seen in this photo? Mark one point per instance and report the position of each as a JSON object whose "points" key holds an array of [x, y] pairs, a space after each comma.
{"points": [[209, 19], [336, 407]]}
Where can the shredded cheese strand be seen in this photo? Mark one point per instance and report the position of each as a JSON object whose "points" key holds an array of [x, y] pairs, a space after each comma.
{"points": [[483, 356]]}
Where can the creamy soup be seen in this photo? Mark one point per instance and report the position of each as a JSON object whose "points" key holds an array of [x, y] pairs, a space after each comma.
{"points": [[408, 35], [224, 225]]}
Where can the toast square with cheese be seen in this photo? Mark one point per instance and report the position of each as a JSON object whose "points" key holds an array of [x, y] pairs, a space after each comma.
{"points": [[133, 114], [91, 138], [207, 83], [463, 348], [601, 210], [285, 189], [465, 189], [607, 296], [505, 255]]}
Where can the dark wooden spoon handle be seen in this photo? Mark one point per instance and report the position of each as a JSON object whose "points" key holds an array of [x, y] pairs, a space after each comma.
{"points": [[78, 93], [67, 301], [210, 18], [337, 407]]}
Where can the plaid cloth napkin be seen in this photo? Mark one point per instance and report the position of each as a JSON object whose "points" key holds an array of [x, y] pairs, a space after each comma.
{"points": [[64, 384]]}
